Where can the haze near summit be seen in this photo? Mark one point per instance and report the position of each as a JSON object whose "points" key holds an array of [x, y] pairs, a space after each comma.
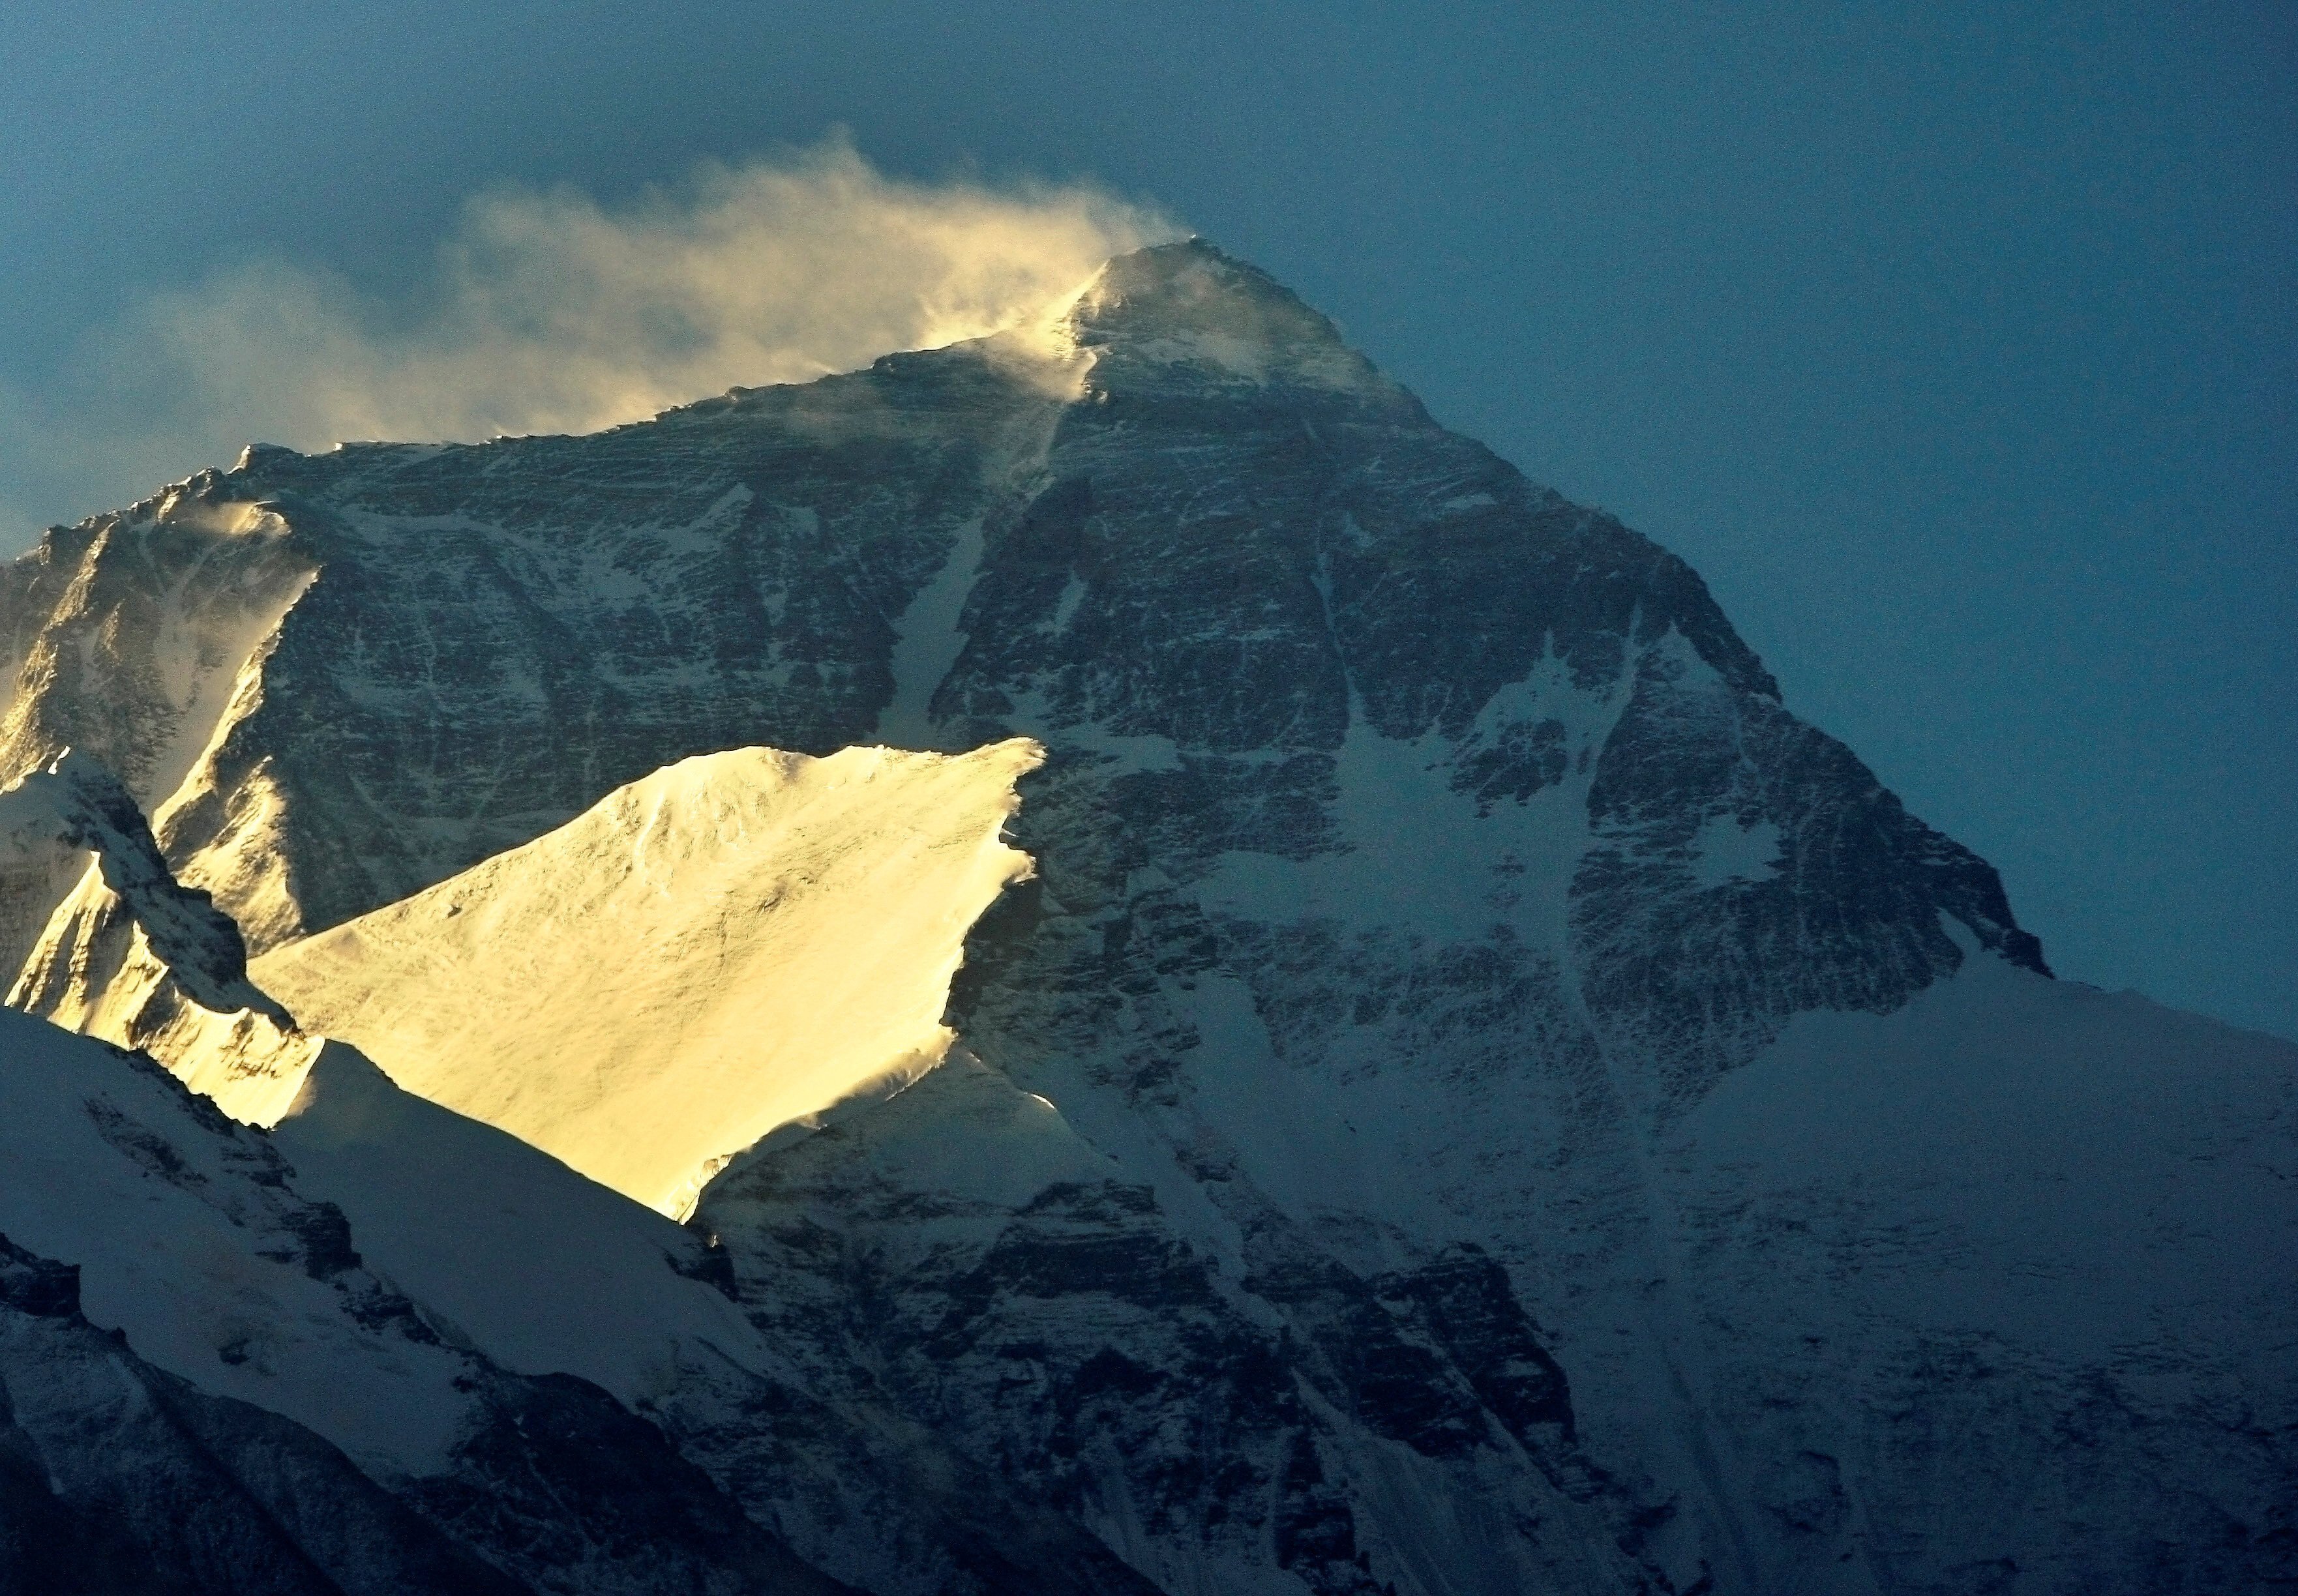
{"points": [[546, 311]]}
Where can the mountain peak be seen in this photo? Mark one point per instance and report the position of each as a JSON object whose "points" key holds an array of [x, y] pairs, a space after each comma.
{"points": [[1189, 307], [1192, 283]]}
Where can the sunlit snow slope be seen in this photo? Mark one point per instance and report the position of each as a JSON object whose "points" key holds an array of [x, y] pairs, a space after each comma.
{"points": [[735, 942]]}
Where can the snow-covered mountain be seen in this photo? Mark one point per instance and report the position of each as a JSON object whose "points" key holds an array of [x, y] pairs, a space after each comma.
{"points": [[1474, 1096]]}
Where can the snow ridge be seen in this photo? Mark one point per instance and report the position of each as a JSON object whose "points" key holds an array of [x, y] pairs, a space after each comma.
{"points": [[76, 806], [735, 943]]}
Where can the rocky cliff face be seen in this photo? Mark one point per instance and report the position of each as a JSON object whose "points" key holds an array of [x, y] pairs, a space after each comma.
{"points": [[1355, 1182]]}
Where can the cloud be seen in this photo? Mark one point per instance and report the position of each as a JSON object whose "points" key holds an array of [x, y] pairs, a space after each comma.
{"points": [[549, 312]]}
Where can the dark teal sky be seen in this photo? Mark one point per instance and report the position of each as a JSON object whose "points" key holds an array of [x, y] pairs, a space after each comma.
{"points": [[1956, 347]]}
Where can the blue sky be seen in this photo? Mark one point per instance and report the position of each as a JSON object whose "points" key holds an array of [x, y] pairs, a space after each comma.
{"points": [[1956, 347]]}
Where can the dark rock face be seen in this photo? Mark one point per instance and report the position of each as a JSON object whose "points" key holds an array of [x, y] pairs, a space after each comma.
{"points": [[783, 530], [643, 1519], [1262, 566], [1466, 1302], [1422, 860], [1099, 1363], [38, 1287]]}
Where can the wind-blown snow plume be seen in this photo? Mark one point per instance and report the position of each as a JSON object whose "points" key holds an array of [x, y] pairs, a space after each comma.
{"points": [[551, 312]]}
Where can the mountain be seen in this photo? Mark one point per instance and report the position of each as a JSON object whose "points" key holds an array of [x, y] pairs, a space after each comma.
{"points": [[1474, 1096]]}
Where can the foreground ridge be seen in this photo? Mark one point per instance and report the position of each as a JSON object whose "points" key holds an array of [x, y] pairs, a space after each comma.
{"points": [[735, 943]]}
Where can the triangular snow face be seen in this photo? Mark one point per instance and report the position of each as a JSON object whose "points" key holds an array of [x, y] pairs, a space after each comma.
{"points": [[737, 941]]}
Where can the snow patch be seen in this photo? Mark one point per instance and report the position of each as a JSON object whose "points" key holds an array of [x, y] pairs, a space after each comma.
{"points": [[1129, 752], [207, 672], [1726, 850], [1418, 856], [927, 641], [1072, 595]]}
